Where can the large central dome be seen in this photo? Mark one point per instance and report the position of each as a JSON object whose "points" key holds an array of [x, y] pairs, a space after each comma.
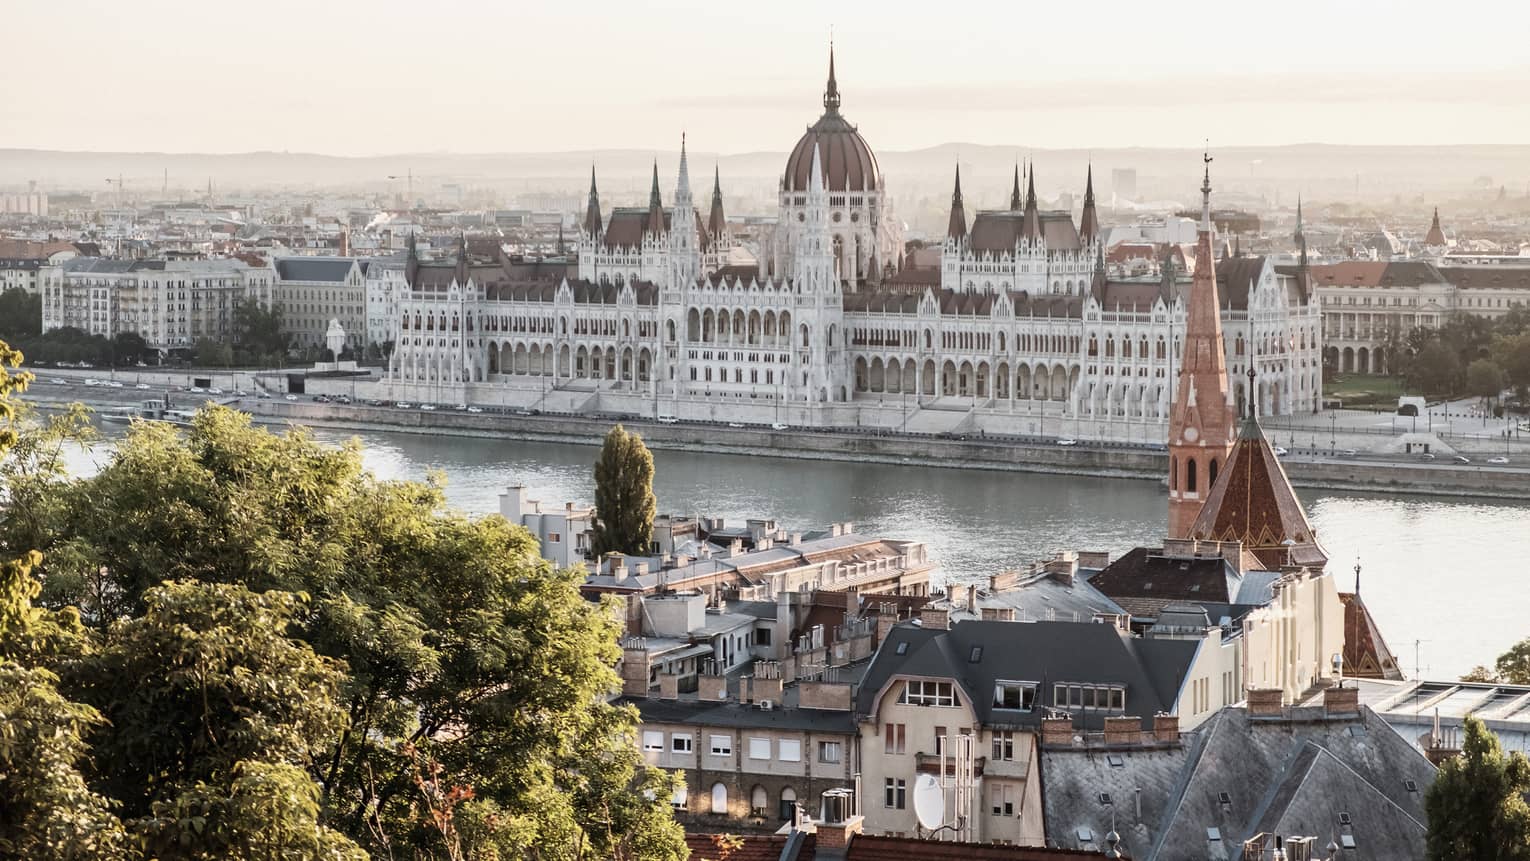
{"points": [[848, 162]]}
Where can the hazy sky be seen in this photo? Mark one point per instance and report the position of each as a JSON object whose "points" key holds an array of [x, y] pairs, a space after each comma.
{"points": [[355, 78]]}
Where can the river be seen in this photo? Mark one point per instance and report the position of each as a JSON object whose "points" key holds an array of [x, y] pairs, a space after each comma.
{"points": [[1438, 574]]}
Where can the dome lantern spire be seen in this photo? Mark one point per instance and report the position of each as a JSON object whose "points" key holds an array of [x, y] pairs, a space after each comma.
{"points": [[831, 92]]}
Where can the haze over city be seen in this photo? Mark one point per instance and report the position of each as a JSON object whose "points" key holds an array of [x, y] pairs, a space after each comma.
{"points": [[353, 78]]}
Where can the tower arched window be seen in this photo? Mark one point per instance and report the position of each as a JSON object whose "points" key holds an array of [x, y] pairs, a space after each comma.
{"points": [[1174, 473], [1190, 475], [1213, 474]]}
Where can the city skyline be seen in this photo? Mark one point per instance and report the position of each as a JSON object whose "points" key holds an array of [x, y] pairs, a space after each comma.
{"points": [[480, 80]]}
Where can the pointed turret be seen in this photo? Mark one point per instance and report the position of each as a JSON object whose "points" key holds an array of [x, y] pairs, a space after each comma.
{"points": [[1014, 193], [1299, 237], [1436, 236], [592, 220], [831, 90], [717, 223], [655, 220], [956, 229], [1088, 223], [683, 182], [411, 258], [1031, 226], [1201, 422]]}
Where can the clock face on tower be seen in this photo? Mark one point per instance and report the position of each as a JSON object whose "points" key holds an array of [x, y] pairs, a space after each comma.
{"points": [[1191, 434]]}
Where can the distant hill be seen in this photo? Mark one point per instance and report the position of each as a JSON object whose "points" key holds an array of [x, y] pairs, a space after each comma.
{"points": [[1320, 171]]}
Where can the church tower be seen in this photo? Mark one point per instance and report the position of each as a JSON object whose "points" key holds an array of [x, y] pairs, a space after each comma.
{"points": [[684, 246], [1201, 423]]}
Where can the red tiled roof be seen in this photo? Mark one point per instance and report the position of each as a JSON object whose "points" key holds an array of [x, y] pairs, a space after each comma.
{"points": [[750, 847], [1366, 654], [1252, 502]]}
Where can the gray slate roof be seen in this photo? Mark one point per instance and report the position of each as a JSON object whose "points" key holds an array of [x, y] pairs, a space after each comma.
{"points": [[1152, 670], [1292, 776], [334, 269], [736, 715]]}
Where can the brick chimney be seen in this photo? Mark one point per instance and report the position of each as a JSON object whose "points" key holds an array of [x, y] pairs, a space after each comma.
{"points": [[1166, 729], [1265, 702], [1122, 731], [1057, 731], [934, 618], [669, 686], [1341, 701], [712, 688], [635, 667], [887, 617]]}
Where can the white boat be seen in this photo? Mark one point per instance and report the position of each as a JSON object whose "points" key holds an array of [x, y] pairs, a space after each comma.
{"points": [[149, 411]]}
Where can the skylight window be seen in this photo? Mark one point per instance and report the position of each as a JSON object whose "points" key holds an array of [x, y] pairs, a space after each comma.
{"points": [[1213, 834], [977, 655], [902, 648]]}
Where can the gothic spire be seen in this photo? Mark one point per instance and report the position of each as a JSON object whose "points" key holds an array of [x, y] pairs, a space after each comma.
{"points": [[1089, 224], [831, 92], [592, 219], [1031, 227], [655, 219], [683, 184], [1201, 422], [1014, 194], [1299, 238], [956, 230], [717, 223]]}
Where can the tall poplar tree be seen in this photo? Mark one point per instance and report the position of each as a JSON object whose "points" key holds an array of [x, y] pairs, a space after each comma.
{"points": [[624, 501], [1476, 805]]}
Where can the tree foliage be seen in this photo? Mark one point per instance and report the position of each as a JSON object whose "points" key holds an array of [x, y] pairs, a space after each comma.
{"points": [[1476, 805], [1513, 666], [1484, 378], [624, 501], [421, 633], [20, 314]]}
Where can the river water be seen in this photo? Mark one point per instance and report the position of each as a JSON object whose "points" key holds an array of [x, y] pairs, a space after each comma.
{"points": [[1445, 579]]}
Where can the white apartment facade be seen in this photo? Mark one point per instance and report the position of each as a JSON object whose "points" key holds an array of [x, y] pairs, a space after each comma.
{"points": [[169, 303]]}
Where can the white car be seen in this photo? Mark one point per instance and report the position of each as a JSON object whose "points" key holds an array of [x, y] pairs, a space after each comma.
{"points": [[215, 391], [428, 407], [1498, 461], [778, 426], [461, 407], [475, 409], [115, 384], [291, 397], [1280, 452], [1069, 441], [403, 406], [668, 420], [142, 387], [91, 382], [735, 425]]}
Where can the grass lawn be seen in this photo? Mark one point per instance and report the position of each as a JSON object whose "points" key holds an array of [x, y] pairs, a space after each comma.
{"points": [[1362, 390]]}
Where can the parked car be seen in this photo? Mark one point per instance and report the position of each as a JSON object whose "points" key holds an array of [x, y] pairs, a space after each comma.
{"points": [[475, 409], [142, 387], [291, 397], [1280, 452], [1067, 441], [1426, 456], [115, 384], [779, 426], [428, 407], [1348, 452], [461, 407], [523, 412], [215, 391], [92, 382], [735, 424], [1461, 458], [402, 405], [1498, 461], [668, 420]]}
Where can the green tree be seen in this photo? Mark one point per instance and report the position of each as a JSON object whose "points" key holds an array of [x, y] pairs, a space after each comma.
{"points": [[128, 348], [624, 501], [457, 639], [1513, 666], [47, 809], [20, 314], [1436, 369], [217, 719], [1512, 353], [258, 331], [1484, 378], [1476, 805], [210, 353]]}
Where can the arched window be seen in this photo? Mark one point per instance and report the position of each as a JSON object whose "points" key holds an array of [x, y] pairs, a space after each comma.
{"points": [[1213, 474], [1190, 475], [719, 798], [759, 800], [1174, 473], [788, 802]]}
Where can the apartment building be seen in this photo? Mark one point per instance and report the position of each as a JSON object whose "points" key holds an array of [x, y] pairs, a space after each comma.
{"points": [[314, 290], [169, 303], [563, 534], [966, 704]]}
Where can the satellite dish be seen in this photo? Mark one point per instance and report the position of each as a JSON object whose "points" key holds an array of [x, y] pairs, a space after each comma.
{"points": [[929, 802]]}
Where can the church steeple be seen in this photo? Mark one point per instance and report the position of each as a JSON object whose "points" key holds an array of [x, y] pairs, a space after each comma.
{"points": [[1014, 193], [1201, 422], [956, 229], [1436, 236], [1088, 224], [592, 219]]}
